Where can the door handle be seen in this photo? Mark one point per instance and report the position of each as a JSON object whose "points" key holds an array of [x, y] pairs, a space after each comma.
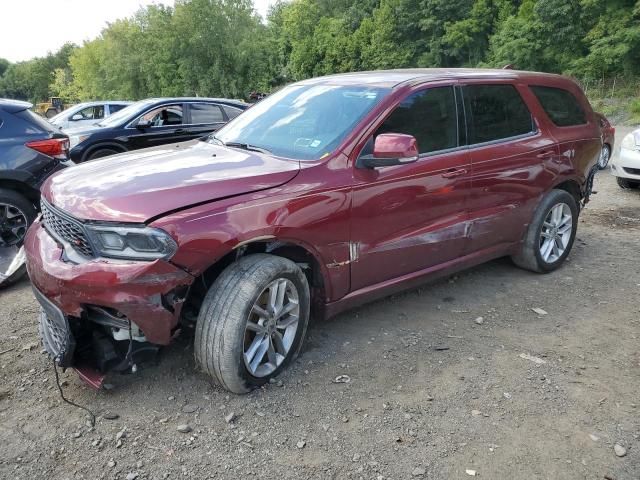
{"points": [[546, 154], [180, 131], [454, 172]]}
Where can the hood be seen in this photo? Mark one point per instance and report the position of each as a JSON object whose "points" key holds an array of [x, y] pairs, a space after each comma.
{"points": [[140, 185]]}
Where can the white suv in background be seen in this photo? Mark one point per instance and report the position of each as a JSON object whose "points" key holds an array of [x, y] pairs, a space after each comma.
{"points": [[627, 166], [87, 113]]}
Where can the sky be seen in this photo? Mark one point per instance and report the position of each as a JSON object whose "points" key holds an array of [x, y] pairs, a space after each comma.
{"points": [[31, 28]]}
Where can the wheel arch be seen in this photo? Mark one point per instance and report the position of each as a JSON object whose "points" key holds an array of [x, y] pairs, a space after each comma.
{"points": [[303, 255], [98, 146], [572, 187], [32, 194]]}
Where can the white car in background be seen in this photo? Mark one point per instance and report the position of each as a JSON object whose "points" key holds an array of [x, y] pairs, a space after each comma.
{"points": [[627, 166], [87, 113]]}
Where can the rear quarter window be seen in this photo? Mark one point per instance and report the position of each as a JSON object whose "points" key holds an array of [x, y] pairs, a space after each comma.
{"points": [[561, 106], [495, 112], [232, 112], [33, 123]]}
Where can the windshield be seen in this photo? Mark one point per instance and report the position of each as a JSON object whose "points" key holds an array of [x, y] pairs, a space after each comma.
{"points": [[305, 122], [130, 111]]}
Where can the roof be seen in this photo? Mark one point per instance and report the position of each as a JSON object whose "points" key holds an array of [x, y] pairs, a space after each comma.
{"points": [[13, 106], [227, 101], [392, 78]]}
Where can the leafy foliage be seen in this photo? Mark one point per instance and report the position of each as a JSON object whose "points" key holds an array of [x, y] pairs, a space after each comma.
{"points": [[223, 48]]}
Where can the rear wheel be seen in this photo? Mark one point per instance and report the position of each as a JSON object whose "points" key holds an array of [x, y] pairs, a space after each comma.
{"points": [[16, 214], [551, 233], [252, 322], [605, 155], [626, 183]]}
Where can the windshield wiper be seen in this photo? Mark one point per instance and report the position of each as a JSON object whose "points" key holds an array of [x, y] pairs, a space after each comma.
{"points": [[243, 146]]}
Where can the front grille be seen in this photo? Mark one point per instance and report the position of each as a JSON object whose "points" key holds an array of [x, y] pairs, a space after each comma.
{"points": [[632, 171], [66, 229]]}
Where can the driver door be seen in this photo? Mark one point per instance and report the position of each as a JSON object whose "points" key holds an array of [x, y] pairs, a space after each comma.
{"points": [[167, 126], [412, 217]]}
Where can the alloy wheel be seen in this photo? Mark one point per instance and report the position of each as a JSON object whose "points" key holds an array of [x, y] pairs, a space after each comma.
{"points": [[556, 232], [13, 225], [271, 327]]}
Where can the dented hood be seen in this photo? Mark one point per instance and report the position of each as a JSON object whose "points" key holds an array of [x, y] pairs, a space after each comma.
{"points": [[140, 185]]}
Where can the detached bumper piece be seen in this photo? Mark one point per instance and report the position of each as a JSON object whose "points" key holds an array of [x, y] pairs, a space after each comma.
{"points": [[55, 332], [87, 344]]}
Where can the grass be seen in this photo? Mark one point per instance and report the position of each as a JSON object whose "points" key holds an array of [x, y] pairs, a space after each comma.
{"points": [[618, 99]]}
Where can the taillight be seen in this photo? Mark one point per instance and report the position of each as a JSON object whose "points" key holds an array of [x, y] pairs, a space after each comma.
{"points": [[54, 147]]}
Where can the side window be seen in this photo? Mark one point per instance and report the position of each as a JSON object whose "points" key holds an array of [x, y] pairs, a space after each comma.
{"points": [[206, 113], [561, 106], [232, 112], [495, 112], [164, 116], [91, 113], [115, 108], [98, 112], [430, 116]]}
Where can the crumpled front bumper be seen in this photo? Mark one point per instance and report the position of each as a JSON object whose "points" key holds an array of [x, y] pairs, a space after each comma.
{"points": [[149, 294]]}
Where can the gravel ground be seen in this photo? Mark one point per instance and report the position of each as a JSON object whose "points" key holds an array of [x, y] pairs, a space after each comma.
{"points": [[433, 392]]}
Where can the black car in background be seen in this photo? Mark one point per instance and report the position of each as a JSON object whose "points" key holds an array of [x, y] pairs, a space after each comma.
{"points": [[152, 122], [31, 149]]}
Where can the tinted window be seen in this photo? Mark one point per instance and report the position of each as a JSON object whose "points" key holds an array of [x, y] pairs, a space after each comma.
{"points": [[163, 116], [34, 123], [115, 108], [430, 116], [232, 112], [561, 106], [206, 113], [495, 112]]}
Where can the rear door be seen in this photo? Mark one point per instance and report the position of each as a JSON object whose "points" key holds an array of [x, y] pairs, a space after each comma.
{"points": [[204, 118], [575, 126], [411, 217], [507, 151]]}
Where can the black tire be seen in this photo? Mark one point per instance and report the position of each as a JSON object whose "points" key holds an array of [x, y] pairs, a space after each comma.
{"points": [[220, 329], [102, 152], [625, 183], [20, 202], [529, 257], [605, 156]]}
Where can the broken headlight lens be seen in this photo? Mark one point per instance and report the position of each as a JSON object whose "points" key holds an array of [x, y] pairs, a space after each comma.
{"points": [[131, 242]]}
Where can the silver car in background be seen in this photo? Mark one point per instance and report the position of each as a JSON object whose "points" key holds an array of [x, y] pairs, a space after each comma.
{"points": [[87, 113], [626, 168]]}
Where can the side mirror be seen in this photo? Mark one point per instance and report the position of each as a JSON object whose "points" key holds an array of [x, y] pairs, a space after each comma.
{"points": [[76, 117], [142, 124], [391, 149]]}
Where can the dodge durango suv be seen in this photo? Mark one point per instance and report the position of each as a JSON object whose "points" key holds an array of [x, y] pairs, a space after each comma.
{"points": [[331, 192]]}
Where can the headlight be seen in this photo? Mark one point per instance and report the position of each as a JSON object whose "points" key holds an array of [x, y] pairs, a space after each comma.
{"points": [[131, 242], [629, 142], [76, 139]]}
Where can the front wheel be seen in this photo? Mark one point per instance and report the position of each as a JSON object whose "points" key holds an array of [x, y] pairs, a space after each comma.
{"points": [[252, 322], [625, 183], [102, 152], [551, 233]]}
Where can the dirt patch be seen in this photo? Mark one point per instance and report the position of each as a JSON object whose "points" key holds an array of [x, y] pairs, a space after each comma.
{"points": [[432, 393]]}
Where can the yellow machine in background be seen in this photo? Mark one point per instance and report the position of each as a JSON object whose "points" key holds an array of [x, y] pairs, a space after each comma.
{"points": [[51, 108]]}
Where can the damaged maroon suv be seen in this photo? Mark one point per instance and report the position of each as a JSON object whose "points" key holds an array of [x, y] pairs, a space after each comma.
{"points": [[332, 192]]}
